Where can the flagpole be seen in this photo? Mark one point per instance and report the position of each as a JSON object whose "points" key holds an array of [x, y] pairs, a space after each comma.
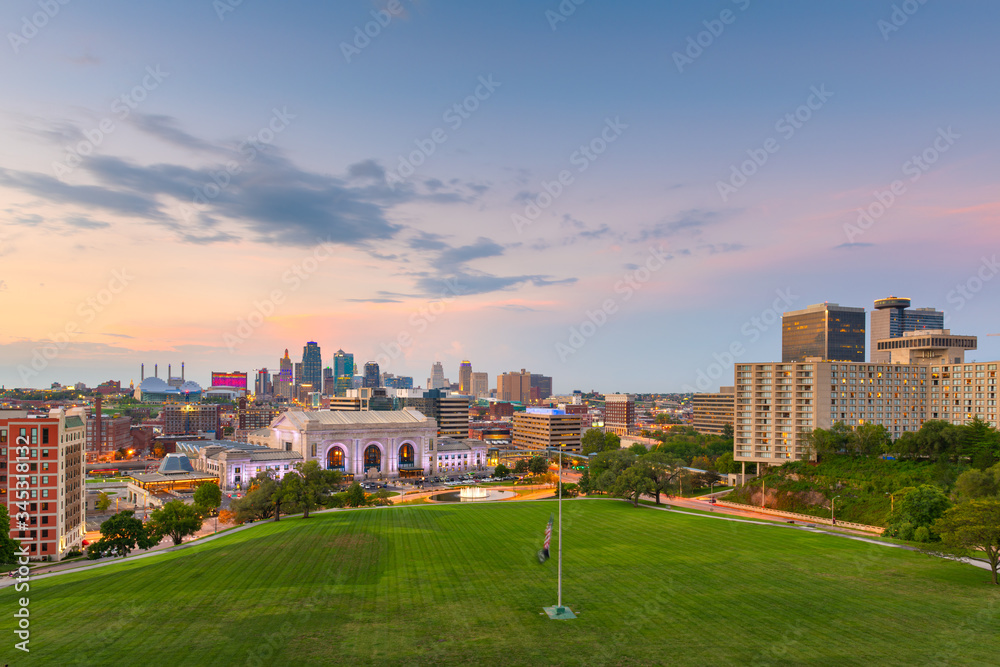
{"points": [[558, 612], [559, 591]]}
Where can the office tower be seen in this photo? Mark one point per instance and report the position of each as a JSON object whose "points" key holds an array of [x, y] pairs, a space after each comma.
{"points": [[541, 428], [480, 385], [52, 493], [329, 382], [619, 413], [436, 380], [514, 386], [450, 412], [312, 365], [543, 383], [343, 364], [928, 346], [893, 317], [372, 378], [465, 378], [298, 376], [827, 331], [262, 383], [286, 378]]}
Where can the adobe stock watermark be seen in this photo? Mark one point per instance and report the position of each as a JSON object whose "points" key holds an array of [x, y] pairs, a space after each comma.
{"points": [[901, 13], [786, 126], [627, 287], [88, 310], [581, 158], [363, 36], [121, 108], [966, 291], [293, 277], [915, 167], [751, 330], [454, 116], [420, 320], [30, 26], [696, 44], [562, 12], [248, 148]]}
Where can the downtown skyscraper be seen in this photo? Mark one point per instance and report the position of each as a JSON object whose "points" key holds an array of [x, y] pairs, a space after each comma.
{"points": [[312, 365]]}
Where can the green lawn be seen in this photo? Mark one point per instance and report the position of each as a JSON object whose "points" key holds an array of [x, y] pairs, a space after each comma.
{"points": [[460, 584]]}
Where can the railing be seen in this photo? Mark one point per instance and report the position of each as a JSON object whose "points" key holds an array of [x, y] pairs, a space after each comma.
{"points": [[801, 517]]}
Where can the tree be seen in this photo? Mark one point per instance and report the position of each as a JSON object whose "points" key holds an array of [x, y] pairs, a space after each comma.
{"points": [[592, 441], [538, 465], [227, 516], [501, 471], [355, 496], [662, 470], [924, 504], [971, 526], [725, 464], [103, 501], [307, 487], [632, 483], [870, 439], [159, 452], [584, 485], [521, 466], [973, 484], [258, 503], [8, 546], [121, 534], [727, 431], [638, 448], [208, 497], [834, 440], [176, 519], [612, 442], [981, 443], [702, 463], [381, 498]]}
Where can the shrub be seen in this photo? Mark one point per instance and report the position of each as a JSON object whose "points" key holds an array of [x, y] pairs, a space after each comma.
{"points": [[73, 553], [922, 534], [905, 531]]}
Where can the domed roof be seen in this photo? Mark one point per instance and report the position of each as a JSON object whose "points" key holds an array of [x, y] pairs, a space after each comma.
{"points": [[190, 387], [153, 384]]}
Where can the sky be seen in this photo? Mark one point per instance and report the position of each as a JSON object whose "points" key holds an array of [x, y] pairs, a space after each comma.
{"points": [[623, 196]]}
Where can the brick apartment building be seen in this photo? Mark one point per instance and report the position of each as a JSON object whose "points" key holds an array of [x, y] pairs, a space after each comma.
{"points": [[42, 479], [179, 419], [619, 413]]}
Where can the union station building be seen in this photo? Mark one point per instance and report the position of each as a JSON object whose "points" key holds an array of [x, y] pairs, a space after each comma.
{"points": [[360, 444]]}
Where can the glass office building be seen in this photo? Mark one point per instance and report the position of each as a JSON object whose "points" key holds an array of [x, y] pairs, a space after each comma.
{"points": [[828, 331]]}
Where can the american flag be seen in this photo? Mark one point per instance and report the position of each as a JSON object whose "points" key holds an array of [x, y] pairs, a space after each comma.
{"points": [[548, 535]]}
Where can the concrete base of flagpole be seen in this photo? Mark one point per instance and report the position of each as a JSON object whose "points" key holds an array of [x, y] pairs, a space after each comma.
{"points": [[559, 613]]}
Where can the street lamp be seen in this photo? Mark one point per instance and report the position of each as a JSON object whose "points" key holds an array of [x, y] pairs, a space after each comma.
{"points": [[833, 506], [892, 502]]}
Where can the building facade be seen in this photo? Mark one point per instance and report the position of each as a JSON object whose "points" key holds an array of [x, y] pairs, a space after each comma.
{"points": [[619, 413], [465, 377], [312, 364], [514, 386], [712, 411], [372, 377], [538, 428], [113, 434], [543, 386], [184, 419], [367, 445], [480, 385], [436, 380], [928, 346], [42, 479], [827, 331], [451, 413], [234, 380]]}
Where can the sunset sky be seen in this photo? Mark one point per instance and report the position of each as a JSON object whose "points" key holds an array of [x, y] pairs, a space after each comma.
{"points": [[215, 182]]}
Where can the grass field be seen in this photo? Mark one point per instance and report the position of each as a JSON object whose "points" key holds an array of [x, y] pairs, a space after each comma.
{"points": [[460, 584]]}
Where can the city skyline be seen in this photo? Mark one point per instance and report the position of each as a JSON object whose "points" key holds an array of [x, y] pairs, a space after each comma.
{"points": [[641, 184]]}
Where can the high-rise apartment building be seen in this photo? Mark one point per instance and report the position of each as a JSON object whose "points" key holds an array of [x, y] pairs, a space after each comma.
{"points": [[892, 318], [619, 413], [480, 385], [372, 378], [254, 416], [312, 365], [190, 418], [262, 383], [465, 378], [827, 331], [286, 377], [436, 380], [42, 480], [514, 386], [712, 411]]}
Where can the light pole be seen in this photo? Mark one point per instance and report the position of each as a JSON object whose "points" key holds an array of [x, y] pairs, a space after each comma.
{"points": [[833, 506], [892, 503]]}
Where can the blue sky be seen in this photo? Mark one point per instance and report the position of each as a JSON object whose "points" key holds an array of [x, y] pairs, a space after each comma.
{"points": [[229, 251]]}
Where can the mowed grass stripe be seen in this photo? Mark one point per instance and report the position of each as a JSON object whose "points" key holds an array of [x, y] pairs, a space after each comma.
{"points": [[459, 584]]}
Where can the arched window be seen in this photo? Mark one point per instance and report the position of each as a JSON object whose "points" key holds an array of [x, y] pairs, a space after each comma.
{"points": [[373, 458], [406, 456], [335, 459]]}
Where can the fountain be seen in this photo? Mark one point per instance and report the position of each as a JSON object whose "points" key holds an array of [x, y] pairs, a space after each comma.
{"points": [[473, 493]]}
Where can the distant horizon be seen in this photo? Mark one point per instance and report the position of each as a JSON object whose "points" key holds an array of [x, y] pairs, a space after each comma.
{"points": [[613, 195]]}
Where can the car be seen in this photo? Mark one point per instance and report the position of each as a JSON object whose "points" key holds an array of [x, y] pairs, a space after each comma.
{"points": [[711, 501]]}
